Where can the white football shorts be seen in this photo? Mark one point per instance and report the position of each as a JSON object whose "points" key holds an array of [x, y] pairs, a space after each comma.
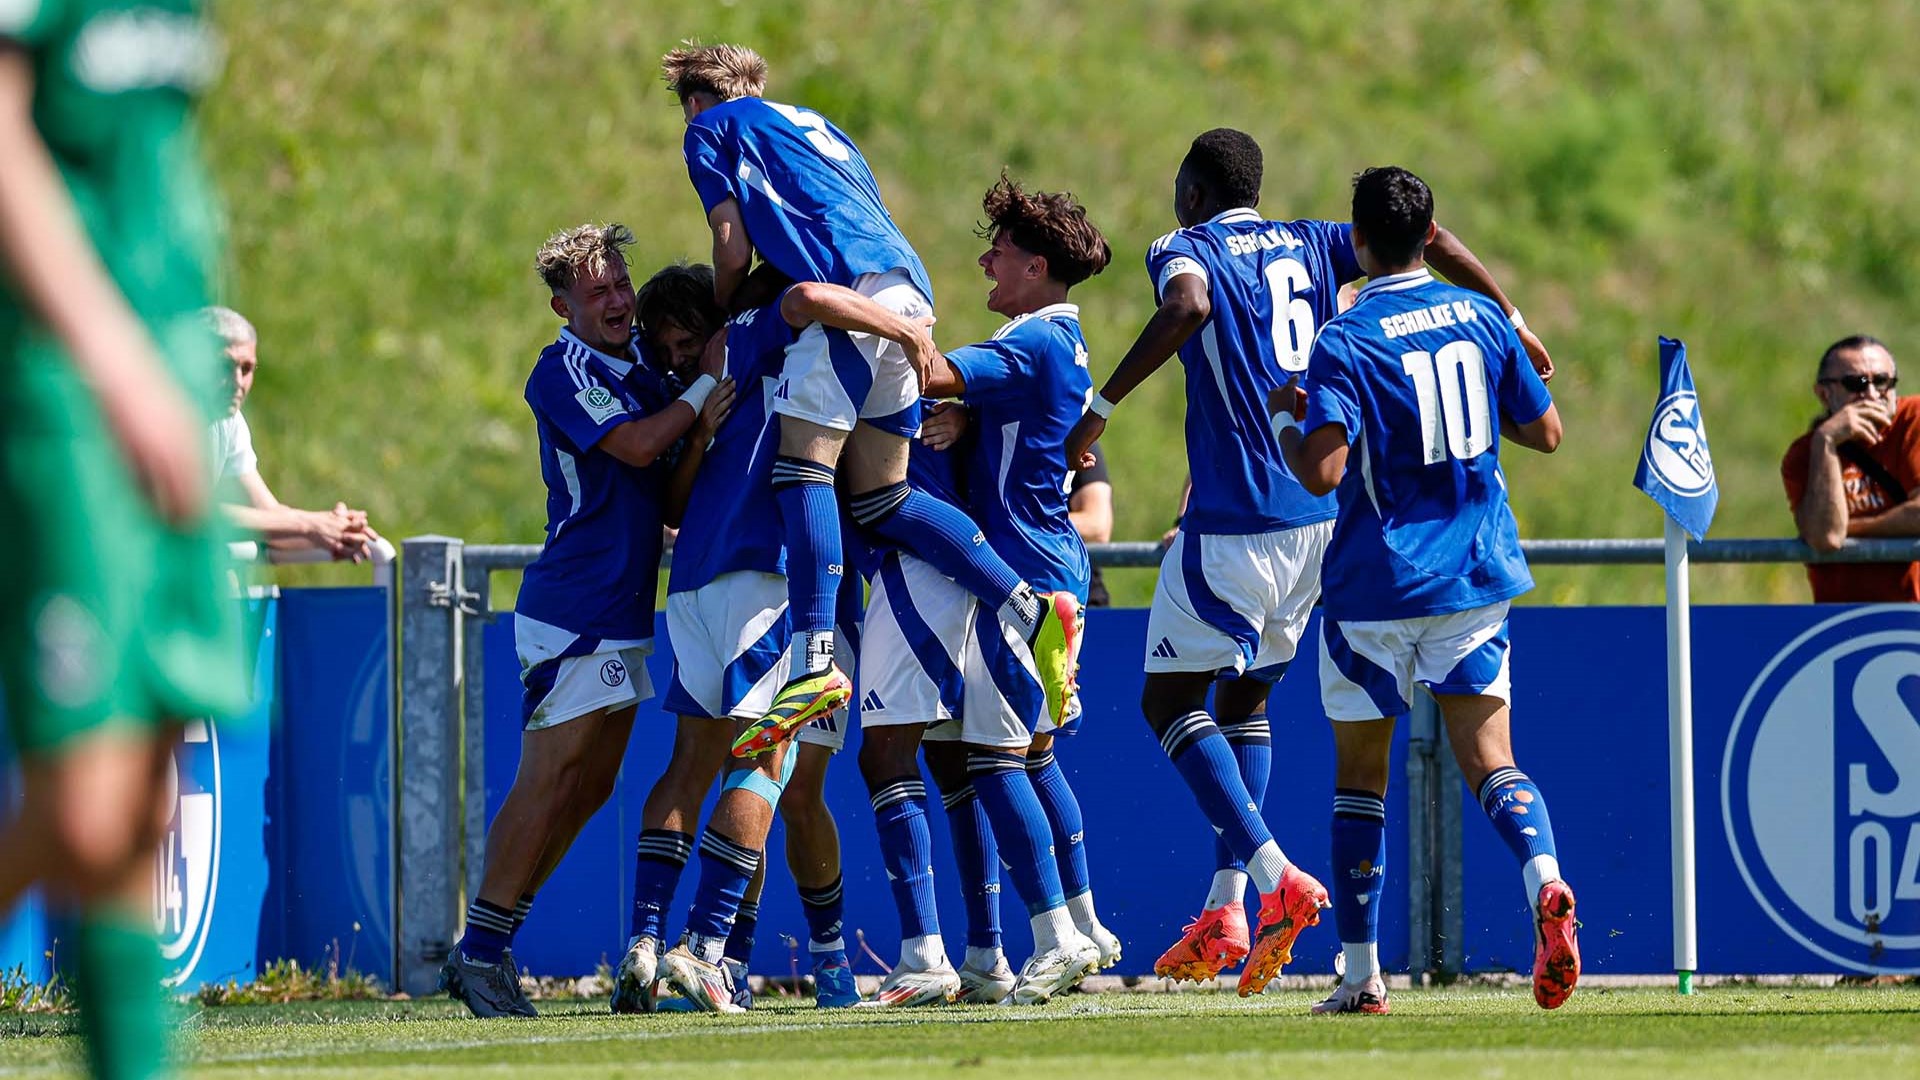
{"points": [[933, 654], [565, 675], [1235, 604], [729, 639], [835, 378], [1367, 669]]}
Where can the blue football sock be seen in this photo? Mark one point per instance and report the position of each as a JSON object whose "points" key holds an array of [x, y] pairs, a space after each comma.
{"points": [[906, 850], [726, 866], [825, 909], [740, 939], [810, 517], [1359, 863], [489, 932], [1019, 825], [1252, 744], [1519, 815], [662, 855], [1063, 814], [1204, 760], [951, 543], [978, 860]]}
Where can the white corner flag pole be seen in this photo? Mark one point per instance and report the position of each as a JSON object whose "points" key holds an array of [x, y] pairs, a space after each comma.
{"points": [[1680, 753]]}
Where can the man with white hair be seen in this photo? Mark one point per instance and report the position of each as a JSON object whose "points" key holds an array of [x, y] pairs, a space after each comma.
{"points": [[342, 532]]}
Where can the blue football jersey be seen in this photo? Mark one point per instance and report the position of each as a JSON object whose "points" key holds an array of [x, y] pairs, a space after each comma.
{"points": [[730, 524], [1027, 386], [1420, 373], [811, 206], [1272, 285], [596, 575]]}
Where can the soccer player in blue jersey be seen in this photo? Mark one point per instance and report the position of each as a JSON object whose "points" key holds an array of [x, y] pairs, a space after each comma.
{"points": [[785, 182], [583, 625], [1240, 299], [727, 616], [1418, 381], [937, 663]]}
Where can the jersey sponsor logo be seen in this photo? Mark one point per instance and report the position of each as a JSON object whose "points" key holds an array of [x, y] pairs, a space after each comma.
{"points": [[600, 403], [146, 49], [186, 871], [613, 673], [1677, 446], [1165, 650], [1820, 790]]}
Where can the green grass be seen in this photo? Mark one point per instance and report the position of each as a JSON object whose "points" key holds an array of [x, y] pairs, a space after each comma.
{"points": [[1741, 1032], [1728, 173]]}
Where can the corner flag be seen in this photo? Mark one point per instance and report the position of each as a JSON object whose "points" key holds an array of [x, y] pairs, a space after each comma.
{"points": [[1676, 470]]}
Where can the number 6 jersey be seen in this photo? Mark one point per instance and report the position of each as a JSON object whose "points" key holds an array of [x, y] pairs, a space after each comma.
{"points": [[1272, 285], [1420, 373]]}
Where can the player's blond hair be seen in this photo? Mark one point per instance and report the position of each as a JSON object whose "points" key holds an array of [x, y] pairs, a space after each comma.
{"points": [[584, 249], [725, 71]]}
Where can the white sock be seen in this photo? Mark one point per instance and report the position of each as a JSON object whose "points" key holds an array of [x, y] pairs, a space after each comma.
{"points": [[1536, 872], [984, 959], [1266, 866], [1022, 610], [710, 949], [1229, 887], [1081, 908], [1051, 927], [923, 953], [812, 652], [1363, 961]]}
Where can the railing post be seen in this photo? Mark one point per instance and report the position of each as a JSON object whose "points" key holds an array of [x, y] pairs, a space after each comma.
{"points": [[1422, 953], [427, 817], [1450, 895], [473, 809]]}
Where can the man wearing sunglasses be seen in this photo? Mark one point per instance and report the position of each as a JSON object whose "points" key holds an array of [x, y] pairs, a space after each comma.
{"points": [[1857, 472]]}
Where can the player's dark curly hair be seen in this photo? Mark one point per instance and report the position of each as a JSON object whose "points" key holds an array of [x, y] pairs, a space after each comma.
{"points": [[1228, 163], [680, 293], [1051, 224], [1392, 209]]}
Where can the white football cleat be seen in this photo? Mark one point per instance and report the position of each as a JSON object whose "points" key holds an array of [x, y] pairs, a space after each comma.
{"points": [[1369, 997], [904, 988], [708, 986], [1056, 970], [1107, 943], [633, 982], [978, 987]]}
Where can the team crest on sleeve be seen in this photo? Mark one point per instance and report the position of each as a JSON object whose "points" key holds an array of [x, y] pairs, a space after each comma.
{"points": [[600, 403], [1820, 790]]}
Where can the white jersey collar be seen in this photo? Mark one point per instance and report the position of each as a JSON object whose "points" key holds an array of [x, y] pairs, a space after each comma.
{"points": [[1071, 311], [1396, 282], [1235, 216], [620, 367]]}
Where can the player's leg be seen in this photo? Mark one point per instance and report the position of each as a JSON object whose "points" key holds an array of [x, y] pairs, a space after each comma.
{"points": [[736, 960], [985, 977], [553, 759], [1069, 844], [803, 490], [813, 857], [1359, 845]]}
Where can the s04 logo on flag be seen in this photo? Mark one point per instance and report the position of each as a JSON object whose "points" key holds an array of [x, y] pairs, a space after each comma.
{"points": [[1676, 466]]}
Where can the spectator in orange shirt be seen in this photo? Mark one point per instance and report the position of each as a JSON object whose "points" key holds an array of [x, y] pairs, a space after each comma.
{"points": [[1857, 473]]}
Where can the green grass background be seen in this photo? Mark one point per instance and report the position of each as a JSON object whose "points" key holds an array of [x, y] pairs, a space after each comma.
{"points": [[1736, 174]]}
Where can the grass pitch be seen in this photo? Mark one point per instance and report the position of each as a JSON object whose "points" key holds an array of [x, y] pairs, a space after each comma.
{"points": [[1734, 1031]]}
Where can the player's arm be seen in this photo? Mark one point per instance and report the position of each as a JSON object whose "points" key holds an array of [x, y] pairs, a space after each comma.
{"points": [[843, 309], [1542, 434], [56, 272], [643, 441], [712, 414], [1460, 266], [1184, 306], [1317, 458], [732, 250]]}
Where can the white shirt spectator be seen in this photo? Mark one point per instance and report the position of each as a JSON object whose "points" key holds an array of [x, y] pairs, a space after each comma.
{"points": [[233, 455]]}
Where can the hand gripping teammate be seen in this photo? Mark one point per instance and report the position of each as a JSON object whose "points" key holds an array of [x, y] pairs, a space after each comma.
{"points": [[1419, 380], [937, 664], [114, 633], [785, 182], [1240, 300], [583, 624]]}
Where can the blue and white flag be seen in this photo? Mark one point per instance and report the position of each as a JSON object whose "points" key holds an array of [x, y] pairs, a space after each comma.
{"points": [[1676, 469]]}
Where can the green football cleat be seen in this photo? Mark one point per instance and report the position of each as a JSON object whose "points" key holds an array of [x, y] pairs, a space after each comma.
{"points": [[1056, 651], [799, 703]]}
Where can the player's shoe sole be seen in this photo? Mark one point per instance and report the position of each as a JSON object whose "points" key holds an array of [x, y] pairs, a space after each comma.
{"points": [[1556, 946], [1368, 998], [1208, 945], [1291, 907], [1056, 650], [799, 703]]}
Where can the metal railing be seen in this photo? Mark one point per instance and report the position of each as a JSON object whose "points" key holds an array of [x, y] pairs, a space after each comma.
{"points": [[440, 832]]}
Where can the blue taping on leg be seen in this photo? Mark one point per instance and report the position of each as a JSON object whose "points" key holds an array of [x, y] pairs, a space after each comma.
{"points": [[760, 783]]}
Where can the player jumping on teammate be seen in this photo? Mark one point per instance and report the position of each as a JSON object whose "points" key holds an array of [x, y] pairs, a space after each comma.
{"points": [[1419, 379]]}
